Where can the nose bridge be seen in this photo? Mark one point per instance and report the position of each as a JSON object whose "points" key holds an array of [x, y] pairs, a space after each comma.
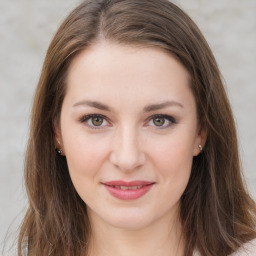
{"points": [[127, 153]]}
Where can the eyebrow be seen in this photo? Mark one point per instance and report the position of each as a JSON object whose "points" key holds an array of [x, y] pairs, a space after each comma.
{"points": [[94, 104], [148, 108], [162, 105]]}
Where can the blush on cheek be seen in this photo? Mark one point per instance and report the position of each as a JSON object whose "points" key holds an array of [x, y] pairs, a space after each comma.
{"points": [[85, 159], [174, 165]]}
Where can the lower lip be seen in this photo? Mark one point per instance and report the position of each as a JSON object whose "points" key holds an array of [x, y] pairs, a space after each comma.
{"points": [[130, 194]]}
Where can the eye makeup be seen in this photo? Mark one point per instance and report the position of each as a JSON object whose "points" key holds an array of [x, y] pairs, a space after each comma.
{"points": [[99, 121]]}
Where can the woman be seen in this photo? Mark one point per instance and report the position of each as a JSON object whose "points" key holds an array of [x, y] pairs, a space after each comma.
{"points": [[133, 147]]}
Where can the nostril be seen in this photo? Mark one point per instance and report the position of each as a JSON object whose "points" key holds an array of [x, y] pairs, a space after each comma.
{"points": [[127, 161], [127, 153]]}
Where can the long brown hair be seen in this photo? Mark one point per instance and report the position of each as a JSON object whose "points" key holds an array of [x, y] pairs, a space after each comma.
{"points": [[217, 213]]}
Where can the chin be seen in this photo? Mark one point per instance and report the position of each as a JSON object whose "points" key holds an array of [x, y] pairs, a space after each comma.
{"points": [[131, 224], [129, 220]]}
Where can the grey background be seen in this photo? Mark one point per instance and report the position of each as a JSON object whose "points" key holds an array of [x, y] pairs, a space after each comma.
{"points": [[26, 29]]}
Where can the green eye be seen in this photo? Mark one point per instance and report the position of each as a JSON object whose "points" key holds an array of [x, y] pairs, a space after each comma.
{"points": [[97, 121], [159, 121]]}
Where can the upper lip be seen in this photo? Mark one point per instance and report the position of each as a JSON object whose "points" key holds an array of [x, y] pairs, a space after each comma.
{"points": [[127, 183]]}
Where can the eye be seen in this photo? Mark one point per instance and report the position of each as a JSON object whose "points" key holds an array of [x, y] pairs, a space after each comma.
{"points": [[95, 121], [161, 121]]}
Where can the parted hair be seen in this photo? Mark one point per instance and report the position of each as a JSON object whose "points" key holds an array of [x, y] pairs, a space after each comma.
{"points": [[217, 213]]}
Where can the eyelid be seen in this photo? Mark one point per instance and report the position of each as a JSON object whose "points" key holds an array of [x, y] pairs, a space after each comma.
{"points": [[169, 118], [85, 118]]}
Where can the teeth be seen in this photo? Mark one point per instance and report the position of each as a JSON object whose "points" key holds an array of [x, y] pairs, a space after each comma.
{"points": [[128, 188], [124, 188]]}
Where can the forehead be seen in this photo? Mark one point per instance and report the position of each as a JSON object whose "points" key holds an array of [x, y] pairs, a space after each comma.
{"points": [[132, 73]]}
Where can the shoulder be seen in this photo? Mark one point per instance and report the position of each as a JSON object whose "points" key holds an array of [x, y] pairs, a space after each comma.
{"points": [[248, 249]]}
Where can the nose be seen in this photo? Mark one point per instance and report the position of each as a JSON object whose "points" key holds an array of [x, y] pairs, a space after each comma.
{"points": [[127, 154]]}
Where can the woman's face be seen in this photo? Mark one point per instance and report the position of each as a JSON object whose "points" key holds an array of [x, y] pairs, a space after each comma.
{"points": [[129, 131]]}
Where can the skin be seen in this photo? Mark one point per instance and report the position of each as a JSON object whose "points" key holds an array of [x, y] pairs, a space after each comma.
{"points": [[130, 144]]}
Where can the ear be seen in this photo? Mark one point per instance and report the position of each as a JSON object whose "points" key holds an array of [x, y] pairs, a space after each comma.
{"points": [[57, 136], [200, 140]]}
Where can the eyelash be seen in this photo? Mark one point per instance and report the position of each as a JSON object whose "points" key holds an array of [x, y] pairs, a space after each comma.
{"points": [[170, 119], [84, 119]]}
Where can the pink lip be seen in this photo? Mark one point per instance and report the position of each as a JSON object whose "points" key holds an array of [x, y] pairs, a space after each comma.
{"points": [[129, 194]]}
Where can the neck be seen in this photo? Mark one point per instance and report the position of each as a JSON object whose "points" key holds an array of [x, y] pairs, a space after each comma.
{"points": [[156, 239]]}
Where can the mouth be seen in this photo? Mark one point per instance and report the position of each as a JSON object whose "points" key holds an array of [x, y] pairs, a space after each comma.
{"points": [[128, 190], [127, 187]]}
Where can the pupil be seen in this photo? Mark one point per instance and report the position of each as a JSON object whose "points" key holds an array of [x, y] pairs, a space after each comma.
{"points": [[159, 121], [97, 121]]}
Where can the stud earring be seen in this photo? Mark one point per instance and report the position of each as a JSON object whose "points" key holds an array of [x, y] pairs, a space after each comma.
{"points": [[200, 147], [60, 152]]}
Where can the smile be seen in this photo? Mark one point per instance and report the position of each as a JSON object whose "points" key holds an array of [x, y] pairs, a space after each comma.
{"points": [[128, 190]]}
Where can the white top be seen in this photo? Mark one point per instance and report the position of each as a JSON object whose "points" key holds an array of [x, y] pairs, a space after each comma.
{"points": [[248, 249]]}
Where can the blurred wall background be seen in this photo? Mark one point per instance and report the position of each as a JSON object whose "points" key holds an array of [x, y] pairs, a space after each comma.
{"points": [[26, 29]]}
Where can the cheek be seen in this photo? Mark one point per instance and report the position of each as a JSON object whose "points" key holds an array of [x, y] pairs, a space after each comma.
{"points": [[173, 158], [174, 168], [175, 148], [84, 153], [85, 157]]}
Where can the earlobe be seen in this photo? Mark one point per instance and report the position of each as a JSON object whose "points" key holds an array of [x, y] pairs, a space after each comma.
{"points": [[197, 149], [58, 139], [200, 141], [57, 134]]}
